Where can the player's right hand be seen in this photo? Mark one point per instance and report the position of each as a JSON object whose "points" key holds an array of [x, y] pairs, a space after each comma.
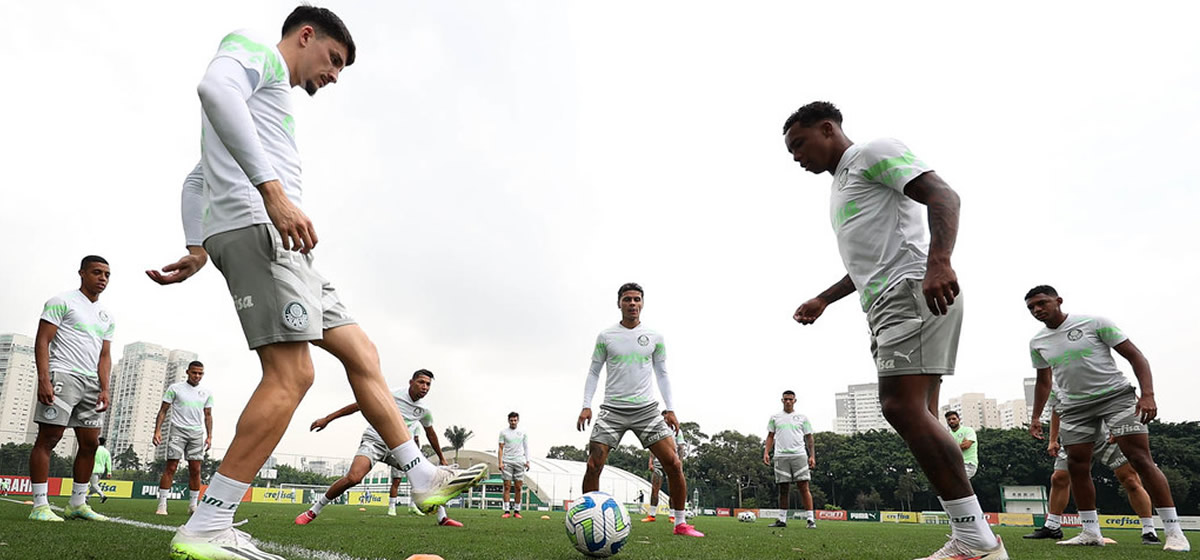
{"points": [[181, 269], [808, 313], [318, 424], [295, 229], [585, 418], [1035, 428], [1053, 448], [157, 438], [766, 459], [45, 392]]}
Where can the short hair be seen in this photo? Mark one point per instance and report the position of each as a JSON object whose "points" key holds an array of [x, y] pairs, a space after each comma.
{"points": [[325, 22], [1043, 289], [91, 259], [195, 363], [950, 413], [513, 415], [421, 372], [814, 113], [789, 392], [629, 286], [103, 440]]}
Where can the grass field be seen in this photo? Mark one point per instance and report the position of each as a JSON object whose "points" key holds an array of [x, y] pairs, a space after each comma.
{"points": [[344, 533]]}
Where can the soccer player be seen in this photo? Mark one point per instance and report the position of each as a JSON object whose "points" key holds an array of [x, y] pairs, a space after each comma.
{"points": [[908, 289], [372, 449], [191, 433], [965, 437], [1074, 353], [1107, 453], [72, 351], [790, 436], [633, 353], [241, 206], [656, 480], [513, 459], [102, 468]]}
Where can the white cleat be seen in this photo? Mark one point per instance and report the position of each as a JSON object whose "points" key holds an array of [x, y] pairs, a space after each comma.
{"points": [[1084, 539], [448, 483], [162, 510], [225, 544], [1177, 543], [956, 549]]}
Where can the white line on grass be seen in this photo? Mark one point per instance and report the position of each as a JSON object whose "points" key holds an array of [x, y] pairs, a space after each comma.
{"points": [[290, 550]]}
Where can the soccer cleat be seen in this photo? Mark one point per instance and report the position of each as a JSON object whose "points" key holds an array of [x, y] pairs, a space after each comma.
{"points": [[306, 517], [224, 544], [44, 513], [778, 523], [1084, 539], [687, 530], [955, 549], [447, 522], [517, 515], [1044, 533], [103, 499], [448, 483], [162, 510], [1150, 537], [1177, 543], [191, 508], [83, 512], [506, 515], [811, 524], [648, 519], [391, 512]]}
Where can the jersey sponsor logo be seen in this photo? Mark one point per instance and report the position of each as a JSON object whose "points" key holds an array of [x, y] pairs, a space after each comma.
{"points": [[846, 212], [907, 357], [1126, 429], [1069, 356], [872, 291], [644, 340], [243, 302], [631, 359], [1075, 334], [295, 316]]}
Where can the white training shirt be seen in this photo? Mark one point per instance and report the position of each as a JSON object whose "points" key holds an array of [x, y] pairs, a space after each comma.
{"points": [[83, 326], [416, 416], [881, 232], [631, 355], [187, 405], [516, 445], [789, 430], [247, 138], [1079, 356]]}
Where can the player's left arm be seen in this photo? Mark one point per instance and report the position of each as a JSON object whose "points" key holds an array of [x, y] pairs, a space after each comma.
{"points": [[664, 384], [102, 371], [320, 423], [810, 448], [208, 428], [525, 445], [941, 283], [1041, 393], [435, 444], [1147, 409]]}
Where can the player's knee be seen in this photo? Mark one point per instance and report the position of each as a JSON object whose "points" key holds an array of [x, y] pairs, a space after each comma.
{"points": [[899, 412], [1129, 480], [672, 465], [1060, 479]]}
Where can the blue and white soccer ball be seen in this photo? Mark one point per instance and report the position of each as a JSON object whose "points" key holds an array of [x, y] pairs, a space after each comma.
{"points": [[597, 524]]}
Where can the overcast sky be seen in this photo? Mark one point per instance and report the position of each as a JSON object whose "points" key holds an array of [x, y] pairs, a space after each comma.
{"points": [[487, 173]]}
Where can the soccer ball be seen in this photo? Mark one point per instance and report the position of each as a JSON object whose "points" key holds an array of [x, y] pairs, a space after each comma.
{"points": [[597, 525], [747, 517]]}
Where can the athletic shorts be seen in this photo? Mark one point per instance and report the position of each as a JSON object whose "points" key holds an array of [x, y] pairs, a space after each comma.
{"points": [[1107, 454], [513, 471], [185, 444], [278, 295], [907, 338], [971, 469], [75, 399], [656, 467], [1084, 423], [373, 448], [646, 423], [791, 468]]}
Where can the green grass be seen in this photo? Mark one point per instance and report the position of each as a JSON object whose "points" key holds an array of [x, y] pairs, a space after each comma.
{"points": [[371, 534]]}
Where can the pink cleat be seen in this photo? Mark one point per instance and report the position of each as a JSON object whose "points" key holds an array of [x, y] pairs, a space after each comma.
{"points": [[505, 516], [517, 515], [306, 517], [687, 530], [447, 522]]}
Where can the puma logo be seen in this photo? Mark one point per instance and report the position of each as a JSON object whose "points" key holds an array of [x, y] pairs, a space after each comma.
{"points": [[907, 357]]}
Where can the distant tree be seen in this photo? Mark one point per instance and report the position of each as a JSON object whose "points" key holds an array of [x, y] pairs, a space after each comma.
{"points": [[905, 488], [567, 453], [127, 460], [868, 500], [208, 467], [458, 436]]}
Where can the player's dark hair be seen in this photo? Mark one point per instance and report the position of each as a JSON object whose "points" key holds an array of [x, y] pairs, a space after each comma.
{"points": [[513, 415], [195, 363], [421, 372], [950, 413], [103, 440], [628, 286], [789, 392], [89, 260], [325, 22], [1043, 289], [813, 113]]}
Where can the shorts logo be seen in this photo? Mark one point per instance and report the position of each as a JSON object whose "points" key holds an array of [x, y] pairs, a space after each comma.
{"points": [[51, 413], [882, 364], [94, 423], [907, 357], [644, 340], [240, 303], [1074, 334], [295, 316]]}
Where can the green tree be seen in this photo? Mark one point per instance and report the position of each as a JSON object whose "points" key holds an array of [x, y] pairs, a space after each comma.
{"points": [[127, 460], [458, 436], [567, 453]]}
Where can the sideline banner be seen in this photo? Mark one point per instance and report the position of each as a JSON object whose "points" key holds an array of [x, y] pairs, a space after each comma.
{"points": [[992, 518], [899, 516], [1019, 519], [738, 511], [935, 518], [1071, 520], [111, 488], [16, 485], [277, 495], [861, 515], [722, 512], [361, 498], [831, 515], [149, 490]]}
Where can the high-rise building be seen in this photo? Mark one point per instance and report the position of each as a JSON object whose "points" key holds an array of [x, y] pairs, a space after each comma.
{"points": [[1013, 414], [18, 395], [177, 363], [974, 410], [1030, 385], [858, 410], [136, 390]]}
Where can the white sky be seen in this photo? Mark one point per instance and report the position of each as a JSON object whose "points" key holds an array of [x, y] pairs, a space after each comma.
{"points": [[487, 174]]}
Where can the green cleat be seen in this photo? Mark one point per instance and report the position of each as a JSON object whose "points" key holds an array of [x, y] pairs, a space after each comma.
{"points": [[83, 512], [449, 483], [43, 513], [224, 544]]}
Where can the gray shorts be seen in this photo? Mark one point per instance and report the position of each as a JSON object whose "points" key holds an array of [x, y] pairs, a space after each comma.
{"points": [[75, 398], [646, 423], [908, 339], [373, 448], [513, 472], [971, 469], [277, 293], [1107, 454], [185, 444], [656, 467], [791, 468], [1084, 423]]}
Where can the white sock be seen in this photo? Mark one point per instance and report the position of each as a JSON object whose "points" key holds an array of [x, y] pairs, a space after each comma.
{"points": [[392, 502], [195, 497], [162, 497], [39, 494], [680, 517], [321, 502], [808, 514], [1053, 521], [79, 492], [441, 513], [970, 526], [1170, 521], [1147, 524], [420, 472], [783, 515], [220, 502], [517, 506], [1090, 521]]}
